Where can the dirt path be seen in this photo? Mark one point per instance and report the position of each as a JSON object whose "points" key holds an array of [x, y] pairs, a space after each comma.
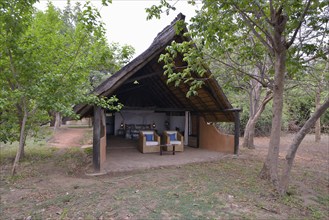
{"points": [[66, 137]]}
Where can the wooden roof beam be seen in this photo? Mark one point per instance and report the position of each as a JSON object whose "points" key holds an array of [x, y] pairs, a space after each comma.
{"points": [[157, 109], [132, 80]]}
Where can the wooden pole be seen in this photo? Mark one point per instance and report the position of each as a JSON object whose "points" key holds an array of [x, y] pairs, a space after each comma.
{"points": [[186, 129], [96, 137], [236, 131], [198, 129], [103, 140]]}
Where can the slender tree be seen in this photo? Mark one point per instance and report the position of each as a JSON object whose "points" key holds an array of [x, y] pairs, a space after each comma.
{"points": [[44, 67], [321, 85], [289, 159], [246, 75], [275, 25]]}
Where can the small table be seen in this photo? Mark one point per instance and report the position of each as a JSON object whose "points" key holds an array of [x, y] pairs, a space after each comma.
{"points": [[121, 132], [165, 146]]}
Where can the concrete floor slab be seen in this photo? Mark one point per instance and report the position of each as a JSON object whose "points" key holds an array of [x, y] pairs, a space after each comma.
{"points": [[123, 155]]}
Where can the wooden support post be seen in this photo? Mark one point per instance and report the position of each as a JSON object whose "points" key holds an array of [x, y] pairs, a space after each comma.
{"points": [[198, 129], [103, 140], [236, 131], [186, 127], [96, 138]]}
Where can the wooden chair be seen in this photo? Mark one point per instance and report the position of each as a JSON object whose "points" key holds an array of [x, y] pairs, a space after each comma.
{"points": [[149, 142], [175, 138]]}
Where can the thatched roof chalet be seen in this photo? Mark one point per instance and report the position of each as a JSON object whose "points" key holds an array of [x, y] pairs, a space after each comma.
{"points": [[153, 92]]}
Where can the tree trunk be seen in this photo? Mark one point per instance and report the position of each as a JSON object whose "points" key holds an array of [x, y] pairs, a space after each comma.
{"points": [[58, 120], [254, 96], [52, 118], [249, 134], [22, 138], [270, 167], [284, 181], [317, 106], [255, 93], [248, 141]]}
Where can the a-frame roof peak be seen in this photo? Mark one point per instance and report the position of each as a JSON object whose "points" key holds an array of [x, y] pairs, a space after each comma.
{"points": [[145, 68]]}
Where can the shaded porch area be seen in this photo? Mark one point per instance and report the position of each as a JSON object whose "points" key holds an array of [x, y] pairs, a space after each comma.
{"points": [[123, 155], [150, 102]]}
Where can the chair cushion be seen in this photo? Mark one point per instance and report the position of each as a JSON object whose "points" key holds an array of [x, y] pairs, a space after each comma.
{"points": [[149, 137], [175, 142], [151, 143], [172, 136]]}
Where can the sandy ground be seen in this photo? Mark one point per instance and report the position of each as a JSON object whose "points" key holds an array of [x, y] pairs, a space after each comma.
{"points": [[70, 137], [122, 154]]}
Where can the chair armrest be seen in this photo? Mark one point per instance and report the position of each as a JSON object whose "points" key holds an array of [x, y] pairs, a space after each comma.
{"points": [[157, 137], [180, 137], [141, 135], [142, 139]]}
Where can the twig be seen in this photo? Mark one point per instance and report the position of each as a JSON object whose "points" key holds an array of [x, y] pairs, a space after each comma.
{"points": [[152, 210], [302, 17], [269, 210]]}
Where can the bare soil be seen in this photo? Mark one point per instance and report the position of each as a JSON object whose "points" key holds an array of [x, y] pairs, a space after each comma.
{"points": [[70, 137], [56, 187]]}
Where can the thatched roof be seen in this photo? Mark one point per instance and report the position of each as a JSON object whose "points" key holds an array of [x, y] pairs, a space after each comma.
{"points": [[152, 90]]}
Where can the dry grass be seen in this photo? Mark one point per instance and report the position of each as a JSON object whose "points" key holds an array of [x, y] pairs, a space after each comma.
{"points": [[55, 187]]}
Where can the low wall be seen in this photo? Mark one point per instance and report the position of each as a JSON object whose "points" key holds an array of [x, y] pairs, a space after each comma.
{"points": [[82, 122], [212, 139]]}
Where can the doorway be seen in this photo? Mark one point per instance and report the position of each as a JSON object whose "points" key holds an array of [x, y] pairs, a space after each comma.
{"points": [[110, 124], [193, 138]]}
